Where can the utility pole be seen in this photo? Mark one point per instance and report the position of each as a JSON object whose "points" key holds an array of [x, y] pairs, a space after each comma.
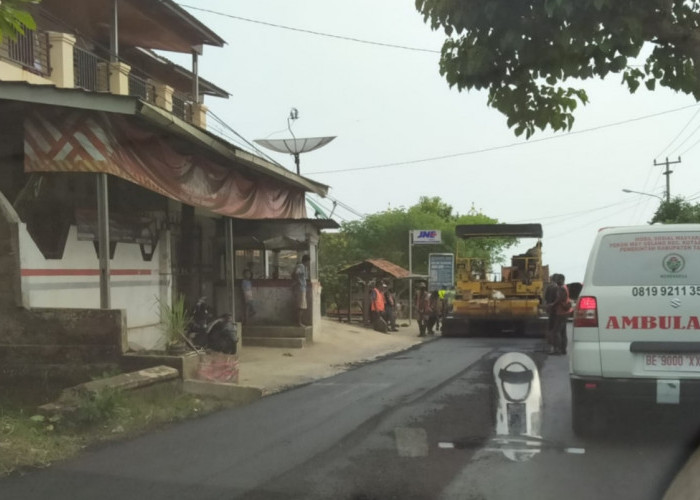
{"points": [[668, 173]]}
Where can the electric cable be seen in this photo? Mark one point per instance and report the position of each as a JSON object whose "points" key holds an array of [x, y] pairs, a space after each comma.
{"points": [[684, 141], [311, 32], [679, 134], [504, 146], [572, 215]]}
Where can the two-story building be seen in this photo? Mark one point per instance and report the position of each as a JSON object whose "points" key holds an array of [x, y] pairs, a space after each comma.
{"points": [[116, 193]]}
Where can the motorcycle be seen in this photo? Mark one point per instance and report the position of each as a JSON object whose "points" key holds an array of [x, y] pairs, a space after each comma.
{"points": [[218, 334]]}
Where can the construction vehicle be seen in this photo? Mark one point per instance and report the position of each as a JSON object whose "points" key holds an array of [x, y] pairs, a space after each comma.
{"points": [[487, 302]]}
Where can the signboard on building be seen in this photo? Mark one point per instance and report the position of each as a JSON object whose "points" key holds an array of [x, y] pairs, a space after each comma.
{"points": [[426, 236], [440, 271]]}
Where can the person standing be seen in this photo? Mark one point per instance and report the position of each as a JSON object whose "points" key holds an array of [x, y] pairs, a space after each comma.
{"points": [[435, 309], [390, 308], [422, 310], [377, 306], [551, 294], [299, 284], [562, 310], [248, 302]]}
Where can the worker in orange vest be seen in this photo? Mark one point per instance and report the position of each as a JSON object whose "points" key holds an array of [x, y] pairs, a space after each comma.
{"points": [[376, 304]]}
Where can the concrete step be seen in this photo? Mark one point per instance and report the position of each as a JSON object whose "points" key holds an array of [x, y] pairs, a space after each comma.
{"points": [[286, 342], [277, 331], [239, 394], [69, 400]]}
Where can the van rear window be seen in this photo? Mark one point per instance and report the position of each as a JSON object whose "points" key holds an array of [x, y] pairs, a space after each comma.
{"points": [[654, 258]]}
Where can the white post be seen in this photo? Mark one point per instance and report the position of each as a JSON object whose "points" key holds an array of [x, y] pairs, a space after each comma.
{"points": [[410, 274]]}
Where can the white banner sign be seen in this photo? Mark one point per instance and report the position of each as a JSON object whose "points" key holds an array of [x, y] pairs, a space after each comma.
{"points": [[426, 236]]}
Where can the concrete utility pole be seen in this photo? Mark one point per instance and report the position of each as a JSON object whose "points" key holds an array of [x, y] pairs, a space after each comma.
{"points": [[668, 173]]}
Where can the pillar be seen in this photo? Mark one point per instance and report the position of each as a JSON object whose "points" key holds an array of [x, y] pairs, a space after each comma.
{"points": [[61, 59]]}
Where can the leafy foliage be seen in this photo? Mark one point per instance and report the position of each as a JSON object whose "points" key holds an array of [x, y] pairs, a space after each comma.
{"points": [[522, 52], [677, 211], [385, 235], [97, 407], [175, 320], [14, 18]]}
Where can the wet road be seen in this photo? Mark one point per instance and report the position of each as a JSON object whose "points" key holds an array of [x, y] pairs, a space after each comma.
{"points": [[417, 425]]}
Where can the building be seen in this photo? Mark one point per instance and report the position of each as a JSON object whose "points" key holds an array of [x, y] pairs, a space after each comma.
{"points": [[115, 193]]}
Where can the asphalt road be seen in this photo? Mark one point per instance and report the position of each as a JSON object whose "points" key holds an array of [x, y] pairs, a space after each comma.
{"points": [[416, 425]]}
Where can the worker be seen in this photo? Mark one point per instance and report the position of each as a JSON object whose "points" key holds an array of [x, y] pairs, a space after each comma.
{"points": [[390, 308], [422, 310], [376, 305]]}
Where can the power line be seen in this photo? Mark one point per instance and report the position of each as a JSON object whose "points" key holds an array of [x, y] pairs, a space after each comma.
{"points": [[572, 215], [504, 146], [684, 140], [679, 134], [691, 147], [311, 32]]}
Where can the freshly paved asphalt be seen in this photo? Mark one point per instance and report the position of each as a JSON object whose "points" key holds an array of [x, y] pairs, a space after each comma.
{"points": [[374, 433]]}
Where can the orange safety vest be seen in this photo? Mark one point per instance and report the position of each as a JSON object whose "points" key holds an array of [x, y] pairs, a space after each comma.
{"points": [[564, 307], [378, 301]]}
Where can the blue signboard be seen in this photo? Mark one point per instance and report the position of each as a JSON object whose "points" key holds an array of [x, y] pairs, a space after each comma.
{"points": [[440, 271]]}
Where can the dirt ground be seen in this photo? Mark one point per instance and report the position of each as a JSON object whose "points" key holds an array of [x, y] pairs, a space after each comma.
{"points": [[339, 346]]}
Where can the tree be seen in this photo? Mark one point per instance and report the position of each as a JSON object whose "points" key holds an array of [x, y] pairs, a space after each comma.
{"points": [[385, 235], [522, 51], [677, 211], [14, 18]]}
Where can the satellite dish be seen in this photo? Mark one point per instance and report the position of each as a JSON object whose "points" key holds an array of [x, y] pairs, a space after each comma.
{"points": [[295, 146]]}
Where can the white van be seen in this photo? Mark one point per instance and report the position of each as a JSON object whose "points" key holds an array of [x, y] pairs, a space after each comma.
{"points": [[636, 332]]}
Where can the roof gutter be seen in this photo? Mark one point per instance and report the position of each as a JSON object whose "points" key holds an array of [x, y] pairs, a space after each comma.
{"points": [[215, 39]]}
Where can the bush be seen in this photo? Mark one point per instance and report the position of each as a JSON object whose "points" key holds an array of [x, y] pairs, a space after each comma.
{"points": [[99, 406]]}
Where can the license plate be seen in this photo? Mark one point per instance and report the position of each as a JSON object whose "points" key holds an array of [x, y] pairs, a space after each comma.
{"points": [[671, 362]]}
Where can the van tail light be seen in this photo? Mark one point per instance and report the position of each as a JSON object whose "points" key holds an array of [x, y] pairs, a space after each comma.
{"points": [[586, 313]]}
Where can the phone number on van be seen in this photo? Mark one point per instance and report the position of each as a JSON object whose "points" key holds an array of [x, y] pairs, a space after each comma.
{"points": [[665, 291]]}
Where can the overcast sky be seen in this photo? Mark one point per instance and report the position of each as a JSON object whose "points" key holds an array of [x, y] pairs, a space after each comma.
{"points": [[390, 105]]}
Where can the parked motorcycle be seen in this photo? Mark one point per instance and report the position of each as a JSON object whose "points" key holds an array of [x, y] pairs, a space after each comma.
{"points": [[218, 334]]}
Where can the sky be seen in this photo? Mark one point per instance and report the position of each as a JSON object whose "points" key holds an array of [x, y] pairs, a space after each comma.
{"points": [[391, 106]]}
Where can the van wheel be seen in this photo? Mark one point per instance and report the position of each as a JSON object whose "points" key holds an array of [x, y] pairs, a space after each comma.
{"points": [[586, 417]]}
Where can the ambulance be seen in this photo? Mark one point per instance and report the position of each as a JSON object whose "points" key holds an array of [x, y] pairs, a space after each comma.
{"points": [[636, 325]]}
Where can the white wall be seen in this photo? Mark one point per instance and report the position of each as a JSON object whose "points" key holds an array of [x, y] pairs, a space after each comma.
{"points": [[73, 282]]}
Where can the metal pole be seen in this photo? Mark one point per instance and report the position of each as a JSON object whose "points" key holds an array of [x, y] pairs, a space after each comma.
{"points": [[114, 34], [103, 239], [410, 276], [668, 173], [195, 77], [349, 298], [230, 266], [296, 160]]}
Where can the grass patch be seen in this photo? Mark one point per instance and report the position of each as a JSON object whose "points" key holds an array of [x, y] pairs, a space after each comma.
{"points": [[30, 441]]}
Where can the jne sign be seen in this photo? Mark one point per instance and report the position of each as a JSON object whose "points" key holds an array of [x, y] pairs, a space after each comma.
{"points": [[426, 236]]}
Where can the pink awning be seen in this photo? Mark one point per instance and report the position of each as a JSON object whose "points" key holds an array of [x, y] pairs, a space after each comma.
{"points": [[69, 140]]}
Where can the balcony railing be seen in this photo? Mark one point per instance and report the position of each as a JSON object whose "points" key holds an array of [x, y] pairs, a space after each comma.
{"points": [[141, 88], [90, 71], [182, 106], [29, 49]]}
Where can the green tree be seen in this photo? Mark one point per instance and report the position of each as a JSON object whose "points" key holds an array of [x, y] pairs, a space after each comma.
{"points": [[385, 235], [523, 51], [677, 211], [14, 18]]}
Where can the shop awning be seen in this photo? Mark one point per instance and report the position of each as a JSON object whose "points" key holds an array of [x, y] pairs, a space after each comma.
{"points": [[82, 132]]}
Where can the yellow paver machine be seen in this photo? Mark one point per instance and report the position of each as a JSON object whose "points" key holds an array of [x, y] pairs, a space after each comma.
{"points": [[490, 303]]}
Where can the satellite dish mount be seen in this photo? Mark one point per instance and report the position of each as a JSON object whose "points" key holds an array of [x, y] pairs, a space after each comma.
{"points": [[294, 146]]}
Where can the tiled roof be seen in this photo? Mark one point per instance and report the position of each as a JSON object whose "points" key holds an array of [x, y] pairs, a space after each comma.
{"points": [[381, 264]]}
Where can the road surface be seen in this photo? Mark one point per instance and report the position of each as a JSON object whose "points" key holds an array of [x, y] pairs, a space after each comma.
{"points": [[420, 424]]}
